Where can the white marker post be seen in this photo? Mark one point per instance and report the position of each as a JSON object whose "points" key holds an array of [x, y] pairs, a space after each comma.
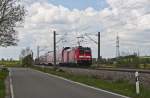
{"points": [[137, 83]]}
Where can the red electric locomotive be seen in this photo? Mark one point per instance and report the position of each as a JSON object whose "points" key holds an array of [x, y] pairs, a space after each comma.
{"points": [[77, 55]]}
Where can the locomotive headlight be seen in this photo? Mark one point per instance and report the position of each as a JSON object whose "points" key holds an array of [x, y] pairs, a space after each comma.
{"points": [[84, 56], [81, 56]]}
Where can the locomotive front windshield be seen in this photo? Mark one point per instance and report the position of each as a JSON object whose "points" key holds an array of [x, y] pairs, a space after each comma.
{"points": [[84, 50], [81, 51]]}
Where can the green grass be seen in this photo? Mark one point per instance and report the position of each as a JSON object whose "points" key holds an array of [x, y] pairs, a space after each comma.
{"points": [[120, 86], [3, 75], [10, 63]]}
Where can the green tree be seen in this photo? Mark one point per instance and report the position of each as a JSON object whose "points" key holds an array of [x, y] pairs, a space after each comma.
{"points": [[27, 61], [11, 13]]}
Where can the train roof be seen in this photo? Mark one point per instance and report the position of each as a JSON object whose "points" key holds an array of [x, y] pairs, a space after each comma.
{"points": [[80, 47], [65, 48]]}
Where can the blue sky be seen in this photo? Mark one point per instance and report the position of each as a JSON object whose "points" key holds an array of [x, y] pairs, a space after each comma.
{"points": [[81, 4]]}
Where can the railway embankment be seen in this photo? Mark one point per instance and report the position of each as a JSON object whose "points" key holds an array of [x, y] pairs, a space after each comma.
{"points": [[113, 74]]}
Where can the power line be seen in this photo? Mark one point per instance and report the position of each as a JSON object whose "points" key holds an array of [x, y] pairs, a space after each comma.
{"points": [[62, 38], [98, 44], [79, 41], [91, 39]]}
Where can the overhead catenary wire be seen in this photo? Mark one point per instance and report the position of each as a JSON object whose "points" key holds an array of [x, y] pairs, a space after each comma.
{"points": [[91, 39]]}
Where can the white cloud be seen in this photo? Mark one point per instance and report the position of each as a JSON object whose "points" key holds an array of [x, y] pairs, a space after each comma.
{"points": [[130, 18]]}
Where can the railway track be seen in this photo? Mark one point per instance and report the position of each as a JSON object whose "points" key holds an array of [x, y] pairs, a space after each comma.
{"points": [[107, 69], [125, 70]]}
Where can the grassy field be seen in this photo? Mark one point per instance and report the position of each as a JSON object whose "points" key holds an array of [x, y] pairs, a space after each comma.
{"points": [[10, 63], [121, 87], [3, 75]]}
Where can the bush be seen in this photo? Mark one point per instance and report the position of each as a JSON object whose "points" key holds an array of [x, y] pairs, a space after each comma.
{"points": [[4, 69], [27, 61], [3, 73]]}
